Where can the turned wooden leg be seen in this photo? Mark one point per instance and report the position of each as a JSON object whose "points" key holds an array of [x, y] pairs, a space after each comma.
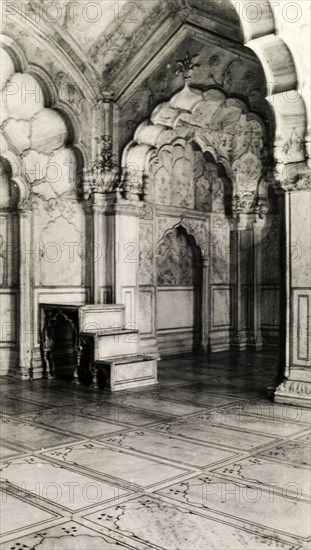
{"points": [[79, 350], [94, 375], [48, 370]]}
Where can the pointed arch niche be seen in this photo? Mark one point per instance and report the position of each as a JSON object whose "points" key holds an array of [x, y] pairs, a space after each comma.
{"points": [[201, 162]]}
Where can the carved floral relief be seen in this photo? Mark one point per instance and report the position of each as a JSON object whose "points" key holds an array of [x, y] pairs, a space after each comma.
{"points": [[175, 260], [146, 268], [2, 261]]}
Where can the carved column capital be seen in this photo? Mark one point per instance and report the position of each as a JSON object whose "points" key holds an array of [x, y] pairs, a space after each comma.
{"points": [[102, 176], [132, 184]]}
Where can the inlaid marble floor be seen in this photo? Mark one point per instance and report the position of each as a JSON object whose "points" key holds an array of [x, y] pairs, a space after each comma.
{"points": [[203, 461]]}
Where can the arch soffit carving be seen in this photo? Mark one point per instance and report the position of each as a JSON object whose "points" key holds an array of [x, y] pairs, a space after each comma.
{"points": [[276, 61], [260, 37], [271, 50], [175, 122]]}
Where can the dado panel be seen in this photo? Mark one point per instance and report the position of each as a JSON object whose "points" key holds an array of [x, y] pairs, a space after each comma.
{"points": [[8, 330], [270, 314], [175, 307], [301, 326], [146, 311], [221, 307], [8, 311]]}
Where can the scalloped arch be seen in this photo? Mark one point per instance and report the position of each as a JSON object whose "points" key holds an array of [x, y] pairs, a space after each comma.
{"points": [[67, 122], [216, 123]]}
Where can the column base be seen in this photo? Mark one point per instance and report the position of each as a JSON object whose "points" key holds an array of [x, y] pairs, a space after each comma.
{"points": [[239, 341], [293, 392], [149, 346], [36, 364], [219, 341], [244, 340], [21, 373], [255, 341]]}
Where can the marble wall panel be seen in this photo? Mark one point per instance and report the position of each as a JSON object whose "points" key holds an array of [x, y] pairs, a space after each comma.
{"points": [[146, 310], [301, 327], [9, 317], [221, 307], [61, 261], [269, 301], [3, 249], [220, 255], [175, 307], [300, 249]]}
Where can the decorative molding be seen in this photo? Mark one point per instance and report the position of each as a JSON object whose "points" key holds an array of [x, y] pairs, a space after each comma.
{"points": [[295, 388], [146, 212], [124, 207]]}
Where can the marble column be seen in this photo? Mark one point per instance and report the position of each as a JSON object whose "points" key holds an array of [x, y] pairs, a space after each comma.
{"points": [[100, 183], [99, 249], [295, 389], [245, 262], [205, 304], [241, 276], [27, 330], [255, 339]]}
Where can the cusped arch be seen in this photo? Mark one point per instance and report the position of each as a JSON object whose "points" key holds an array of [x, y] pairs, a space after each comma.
{"points": [[197, 229], [223, 128], [44, 110], [16, 171]]}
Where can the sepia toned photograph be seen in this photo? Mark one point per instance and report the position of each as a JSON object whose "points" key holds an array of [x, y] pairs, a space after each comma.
{"points": [[155, 275]]}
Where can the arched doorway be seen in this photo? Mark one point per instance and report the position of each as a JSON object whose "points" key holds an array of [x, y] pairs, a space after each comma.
{"points": [[179, 293], [9, 270]]}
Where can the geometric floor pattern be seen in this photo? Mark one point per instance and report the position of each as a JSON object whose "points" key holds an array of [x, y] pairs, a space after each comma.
{"points": [[201, 461]]}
